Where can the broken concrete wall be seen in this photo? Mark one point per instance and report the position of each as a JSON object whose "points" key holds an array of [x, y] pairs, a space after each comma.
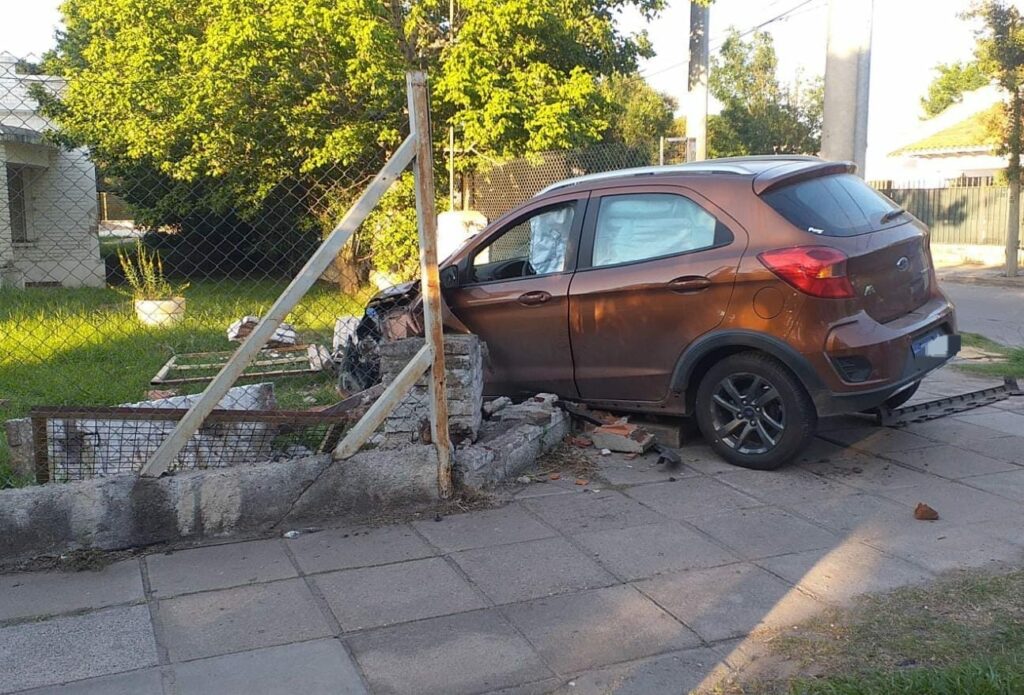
{"points": [[125, 511], [85, 448], [511, 441], [463, 355]]}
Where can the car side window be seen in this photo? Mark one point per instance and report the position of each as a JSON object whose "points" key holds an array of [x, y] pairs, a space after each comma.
{"points": [[536, 245], [638, 226]]}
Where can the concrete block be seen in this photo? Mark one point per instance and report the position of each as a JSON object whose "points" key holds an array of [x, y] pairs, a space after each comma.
{"points": [[76, 647], [19, 444], [320, 667], [667, 432], [232, 620], [377, 596], [452, 655], [622, 436], [594, 628]]}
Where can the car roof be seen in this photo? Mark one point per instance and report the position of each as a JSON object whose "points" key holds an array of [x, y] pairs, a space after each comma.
{"points": [[767, 171]]}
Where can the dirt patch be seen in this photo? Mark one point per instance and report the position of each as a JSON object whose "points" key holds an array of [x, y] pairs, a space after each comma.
{"points": [[568, 459], [81, 560]]}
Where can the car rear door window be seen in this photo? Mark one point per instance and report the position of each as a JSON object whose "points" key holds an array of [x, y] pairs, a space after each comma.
{"points": [[536, 245], [640, 226], [839, 205]]}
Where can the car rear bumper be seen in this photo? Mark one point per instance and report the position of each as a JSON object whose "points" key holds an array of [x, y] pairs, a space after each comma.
{"points": [[899, 353]]}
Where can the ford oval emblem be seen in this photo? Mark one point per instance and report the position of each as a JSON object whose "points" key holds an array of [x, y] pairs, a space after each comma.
{"points": [[903, 263]]}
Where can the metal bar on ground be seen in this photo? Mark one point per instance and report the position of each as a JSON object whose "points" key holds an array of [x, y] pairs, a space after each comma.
{"points": [[314, 268], [382, 407], [430, 283]]}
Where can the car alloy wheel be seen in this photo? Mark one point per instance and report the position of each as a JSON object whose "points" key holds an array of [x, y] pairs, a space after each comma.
{"points": [[747, 413]]}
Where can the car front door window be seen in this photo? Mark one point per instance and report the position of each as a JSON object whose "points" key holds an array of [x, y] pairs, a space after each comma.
{"points": [[536, 245]]}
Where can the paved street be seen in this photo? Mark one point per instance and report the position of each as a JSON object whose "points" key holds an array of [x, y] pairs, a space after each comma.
{"points": [[642, 581], [995, 312]]}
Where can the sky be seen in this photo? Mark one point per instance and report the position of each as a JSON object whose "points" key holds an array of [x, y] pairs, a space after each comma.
{"points": [[909, 38]]}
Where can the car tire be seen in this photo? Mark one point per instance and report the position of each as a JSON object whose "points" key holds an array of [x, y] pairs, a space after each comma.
{"points": [[754, 412]]}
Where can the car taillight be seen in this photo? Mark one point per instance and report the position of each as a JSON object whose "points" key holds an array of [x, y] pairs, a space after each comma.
{"points": [[819, 271]]}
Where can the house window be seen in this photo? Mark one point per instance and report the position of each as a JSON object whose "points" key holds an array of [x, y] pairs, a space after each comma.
{"points": [[17, 191]]}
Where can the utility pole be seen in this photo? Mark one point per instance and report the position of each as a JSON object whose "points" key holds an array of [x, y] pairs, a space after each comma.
{"points": [[844, 132], [697, 81], [451, 128]]}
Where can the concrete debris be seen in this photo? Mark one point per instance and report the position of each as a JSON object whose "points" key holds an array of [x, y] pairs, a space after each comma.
{"points": [[622, 436], [606, 452], [493, 406], [554, 476], [524, 480], [345, 333], [581, 442], [284, 336], [922, 512], [291, 534], [582, 481]]}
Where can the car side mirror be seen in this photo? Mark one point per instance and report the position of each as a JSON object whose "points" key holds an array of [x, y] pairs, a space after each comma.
{"points": [[450, 277]]}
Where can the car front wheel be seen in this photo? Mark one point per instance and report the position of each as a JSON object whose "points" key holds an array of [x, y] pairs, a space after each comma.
{"points": [[754, 412]]}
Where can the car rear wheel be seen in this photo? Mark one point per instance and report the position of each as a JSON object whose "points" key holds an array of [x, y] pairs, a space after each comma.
{"points": [[754, 412]]}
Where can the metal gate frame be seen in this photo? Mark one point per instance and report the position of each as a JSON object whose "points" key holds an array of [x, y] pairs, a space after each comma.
{"points": [[417, 150]]}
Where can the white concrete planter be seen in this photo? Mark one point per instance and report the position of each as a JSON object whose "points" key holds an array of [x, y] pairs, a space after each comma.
{"points": [[160, 312]]}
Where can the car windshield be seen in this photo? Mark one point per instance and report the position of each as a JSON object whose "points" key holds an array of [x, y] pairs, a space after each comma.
{"points": [[839, 205]]}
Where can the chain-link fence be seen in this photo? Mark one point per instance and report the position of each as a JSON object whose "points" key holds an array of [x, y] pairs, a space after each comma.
{"points": [[127, 280]]}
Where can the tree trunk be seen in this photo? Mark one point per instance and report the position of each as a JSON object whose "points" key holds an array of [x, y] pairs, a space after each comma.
{"points": [[1013, 176]]}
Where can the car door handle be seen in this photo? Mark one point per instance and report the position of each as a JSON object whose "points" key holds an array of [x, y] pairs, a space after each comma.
{"points": [[534, 298], [689, 284]]}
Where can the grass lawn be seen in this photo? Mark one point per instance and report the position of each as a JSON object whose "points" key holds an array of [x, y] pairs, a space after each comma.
{"points": [[1009, 360], [961, 635], [85, 346]]}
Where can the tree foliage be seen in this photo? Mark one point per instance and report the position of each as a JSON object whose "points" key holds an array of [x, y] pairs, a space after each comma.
{"points": [[949, 85], [273, 113], [759, 115], [638, 114]]}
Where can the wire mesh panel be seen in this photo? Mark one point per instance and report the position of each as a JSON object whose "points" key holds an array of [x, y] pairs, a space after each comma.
{"points": [[133, 248]]}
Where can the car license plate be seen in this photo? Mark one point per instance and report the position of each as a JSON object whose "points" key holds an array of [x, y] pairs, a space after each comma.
{"points": [[934, 344]]}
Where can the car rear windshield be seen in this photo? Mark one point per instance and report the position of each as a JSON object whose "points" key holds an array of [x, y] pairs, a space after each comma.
{"points": [[838, 205]]}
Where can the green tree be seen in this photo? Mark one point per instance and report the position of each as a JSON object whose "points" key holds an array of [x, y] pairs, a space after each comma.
{"points": [[276, 112], [999, 50], [638, 114], [759, 115], [949, 85]]}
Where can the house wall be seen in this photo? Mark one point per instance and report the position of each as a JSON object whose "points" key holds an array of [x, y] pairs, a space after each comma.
{"points": [[6, 250], [63, 244]]}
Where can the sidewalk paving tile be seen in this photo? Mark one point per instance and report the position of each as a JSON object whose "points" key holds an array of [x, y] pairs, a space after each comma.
{"points": [[1005, 484], [1009, 449], [596, 628], [940, 546], [644, 551], [144, 682], [676, 672], [1006, 421], [951, 431], [246, 617], [853, 511], [691, 497], [789, 485], [342, 548], [451, 655], [955, 501], [72, 648], [592, 511], [952, 462], [530, 570], [872, 474], [218, 567], [36, 594], [726, 602], [765, 531], [376, 596], [509, 524], [878, 440], [319, 667], [848, 570], [618, 470]]}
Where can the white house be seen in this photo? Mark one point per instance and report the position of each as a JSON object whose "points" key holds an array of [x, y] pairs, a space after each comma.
{"points": [[48, 219]]}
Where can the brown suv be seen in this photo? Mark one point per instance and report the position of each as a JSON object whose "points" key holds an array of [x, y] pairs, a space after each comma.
{"points": [[754, 293]]}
